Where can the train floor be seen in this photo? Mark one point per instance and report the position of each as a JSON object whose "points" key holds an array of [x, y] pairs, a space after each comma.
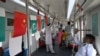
{"points": [[59, 52]]}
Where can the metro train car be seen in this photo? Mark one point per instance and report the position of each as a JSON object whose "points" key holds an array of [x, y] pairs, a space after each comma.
{"points": [[35, 27]]}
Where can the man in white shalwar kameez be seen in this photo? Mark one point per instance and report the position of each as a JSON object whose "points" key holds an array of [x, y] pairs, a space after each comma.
{"points": [[48, 39], [87, 48], [68, 30], [76, 38]]}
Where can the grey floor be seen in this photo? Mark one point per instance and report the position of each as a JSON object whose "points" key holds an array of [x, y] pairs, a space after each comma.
{"points": [[59, 52]]}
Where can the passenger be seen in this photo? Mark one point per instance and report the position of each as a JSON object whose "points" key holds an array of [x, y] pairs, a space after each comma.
{"points": [[48, 39], [87, 48], [76, 39], [76, 42], [63, 39], [68, 30], [59, 36]]}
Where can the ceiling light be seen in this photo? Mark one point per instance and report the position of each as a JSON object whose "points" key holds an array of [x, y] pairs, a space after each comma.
{"points": [[70, 8], [30, 7]]}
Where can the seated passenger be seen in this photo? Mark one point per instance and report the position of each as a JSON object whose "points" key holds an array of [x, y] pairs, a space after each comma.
{"points": [[74, 42], [87, 49]]}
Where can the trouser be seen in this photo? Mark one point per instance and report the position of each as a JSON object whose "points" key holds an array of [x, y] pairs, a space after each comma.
{"points": [[1, 54], [68, 39], [49, 47], [67, 42], [63, 45]]}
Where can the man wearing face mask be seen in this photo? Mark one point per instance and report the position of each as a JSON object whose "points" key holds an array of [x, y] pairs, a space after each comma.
{"points": [[87, 48]]}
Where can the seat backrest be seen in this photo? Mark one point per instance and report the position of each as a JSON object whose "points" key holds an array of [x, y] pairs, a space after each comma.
{"points": [[1, 50]]}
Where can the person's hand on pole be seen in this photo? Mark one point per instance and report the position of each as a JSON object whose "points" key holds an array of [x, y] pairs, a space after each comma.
{"points": [[52, 22]]}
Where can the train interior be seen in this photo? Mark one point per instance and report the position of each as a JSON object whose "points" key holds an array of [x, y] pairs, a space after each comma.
{"points": [[83, 14]]}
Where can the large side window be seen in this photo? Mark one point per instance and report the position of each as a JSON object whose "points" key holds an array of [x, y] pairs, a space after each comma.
{"points": [[95, 24]]}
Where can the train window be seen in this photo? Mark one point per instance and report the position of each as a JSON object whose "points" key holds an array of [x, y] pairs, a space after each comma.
{"points": [[0, 44], [76, 25]]}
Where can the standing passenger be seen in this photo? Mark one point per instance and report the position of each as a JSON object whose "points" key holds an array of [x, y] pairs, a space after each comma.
{"points": [[63, 38], [48, 39], [59, 36], [68, 30]]}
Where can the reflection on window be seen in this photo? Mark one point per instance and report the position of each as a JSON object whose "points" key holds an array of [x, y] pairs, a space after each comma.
{"points": [[76, 25], [0, 44]]}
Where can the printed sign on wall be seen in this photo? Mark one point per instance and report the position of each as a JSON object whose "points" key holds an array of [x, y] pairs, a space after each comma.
{"points": [[33, 24], [2, 24]]}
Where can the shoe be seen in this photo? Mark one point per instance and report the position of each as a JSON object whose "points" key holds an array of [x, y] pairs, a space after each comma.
{"points": [[53, 53], [48, 51]]}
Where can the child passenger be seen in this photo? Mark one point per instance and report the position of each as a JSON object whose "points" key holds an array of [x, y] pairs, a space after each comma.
{"points": [[63, 39], [87, 49]]}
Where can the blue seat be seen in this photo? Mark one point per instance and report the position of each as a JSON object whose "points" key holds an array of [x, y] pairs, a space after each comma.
{"points": [[25, 52], [6, 52]]}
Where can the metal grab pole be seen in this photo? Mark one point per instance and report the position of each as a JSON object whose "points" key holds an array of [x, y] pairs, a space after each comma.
{"points": [[28, 42], [73, 52], [80, 29]]}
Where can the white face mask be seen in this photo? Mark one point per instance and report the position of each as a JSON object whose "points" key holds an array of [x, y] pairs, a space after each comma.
{"points": [[87, 43]]}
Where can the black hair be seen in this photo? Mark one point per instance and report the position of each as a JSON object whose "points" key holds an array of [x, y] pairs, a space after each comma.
{"points": [[91, 37], [68, 23], [61, 25], [60, 29], [48, 24], [63, 30]]}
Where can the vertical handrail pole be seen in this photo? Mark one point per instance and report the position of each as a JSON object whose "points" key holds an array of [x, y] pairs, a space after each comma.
{"points": [[80, 21], [28, 31]]}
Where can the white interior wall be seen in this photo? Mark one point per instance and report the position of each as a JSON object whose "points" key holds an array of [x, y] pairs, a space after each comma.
{"points": [[8, 30]]}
